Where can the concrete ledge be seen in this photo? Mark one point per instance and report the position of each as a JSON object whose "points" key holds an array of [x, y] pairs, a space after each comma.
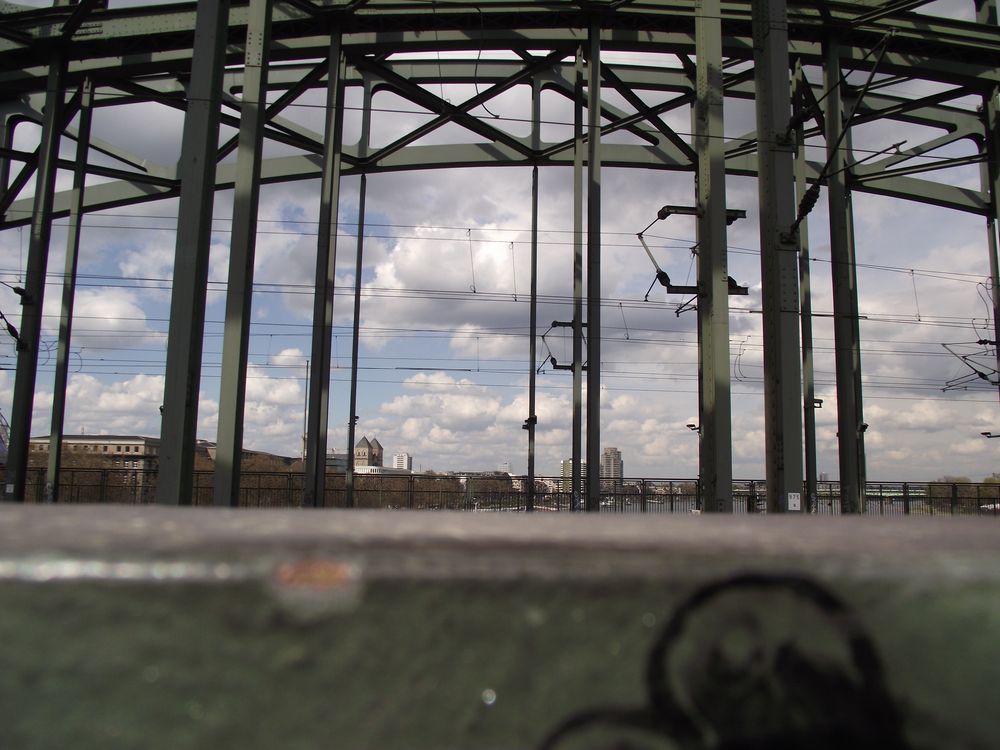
{"points": [[190, 628]]}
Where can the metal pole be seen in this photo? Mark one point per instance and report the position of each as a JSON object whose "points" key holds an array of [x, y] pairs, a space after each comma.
{"points": [[779, 259], [844, 287], [34, 285], [808, 378], [990, 181], [859, 418], [69, 293], [352, 420], [239, 293], [715, 419], [533, 314], [577, 282], [196, 169], [314, 490], [594, 269]]}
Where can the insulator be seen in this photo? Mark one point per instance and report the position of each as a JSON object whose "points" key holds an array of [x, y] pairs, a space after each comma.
{"points": [[809, 200]]}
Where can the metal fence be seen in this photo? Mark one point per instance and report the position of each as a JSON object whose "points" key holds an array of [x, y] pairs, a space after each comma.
{"points": [[498, 493]]}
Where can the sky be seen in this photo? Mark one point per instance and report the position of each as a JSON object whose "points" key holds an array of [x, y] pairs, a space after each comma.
{"points": [[444, 309]]}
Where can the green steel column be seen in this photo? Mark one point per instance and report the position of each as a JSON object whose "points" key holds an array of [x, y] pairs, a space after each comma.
{"points": [[69, 293], [352, 415], [532, 421], [989, 175], [859, 417], [778, 259], [805, 307], [352, 418], [196, 170], [30, 329], [239, 292], [594, 268], [715, 411], [314, 490], [844, 287], [576, 501]]}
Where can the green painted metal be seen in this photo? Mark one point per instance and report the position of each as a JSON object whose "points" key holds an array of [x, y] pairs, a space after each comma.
{"points": [[196, 170], [778, 260], [33, 298], [593, 425], [74, 231], [326, 261], [844, 277], [715, 411], [242, 246]]}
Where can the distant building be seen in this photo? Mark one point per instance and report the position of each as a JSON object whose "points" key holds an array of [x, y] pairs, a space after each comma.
{"points": [[611, 466], [402, 461], [566, 485], [505, 467], [367, 452], [121, 451]]}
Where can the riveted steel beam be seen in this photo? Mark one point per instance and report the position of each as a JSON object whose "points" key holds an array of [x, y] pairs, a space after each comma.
{"points": [[196, 170], [314, 491], [242, 247], [594, 268], [74, 231], [778, 259], [34, 287], [715, 411]]}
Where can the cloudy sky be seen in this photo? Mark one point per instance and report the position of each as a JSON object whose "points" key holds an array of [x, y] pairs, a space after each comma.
{"points": [[444, 312]]}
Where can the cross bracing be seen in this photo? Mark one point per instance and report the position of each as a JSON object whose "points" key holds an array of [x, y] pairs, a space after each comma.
{"points": [[651, 63]]}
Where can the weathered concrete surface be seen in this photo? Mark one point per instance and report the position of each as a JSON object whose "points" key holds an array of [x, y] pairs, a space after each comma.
{"points": [[192, 628]]}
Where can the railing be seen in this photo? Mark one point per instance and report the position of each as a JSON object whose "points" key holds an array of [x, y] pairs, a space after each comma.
{"points": [[490, 494]]}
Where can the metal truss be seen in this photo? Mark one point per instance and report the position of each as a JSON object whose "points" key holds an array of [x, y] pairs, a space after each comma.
{"points": [[246, 65]]}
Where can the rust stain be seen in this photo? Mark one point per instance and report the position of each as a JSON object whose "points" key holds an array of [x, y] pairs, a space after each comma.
{"points": [[314, 575]]}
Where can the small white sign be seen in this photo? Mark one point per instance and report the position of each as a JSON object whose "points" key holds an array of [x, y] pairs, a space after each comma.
{"points": [[794, 501]]}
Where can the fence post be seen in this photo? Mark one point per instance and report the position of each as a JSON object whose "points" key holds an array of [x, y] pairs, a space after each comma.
{"points": [[906, 499], [643, 503], [102, 493], [409, 491], [954, 497], [671, 497]]}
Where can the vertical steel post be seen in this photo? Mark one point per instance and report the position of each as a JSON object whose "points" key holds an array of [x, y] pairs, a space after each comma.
{"points": [[989, 174], [989, 177], [34, 284], [594, 268], [69, 292], [239, 292], [859, 417], [844, 286], [805, 307], [778, 259], [352, 419], [533, 309], [715, 411], [577, 469], [196, 170], [314, 490]]}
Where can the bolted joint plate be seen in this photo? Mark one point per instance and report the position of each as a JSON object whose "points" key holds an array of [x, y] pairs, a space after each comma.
{"points": [[191, 628]]}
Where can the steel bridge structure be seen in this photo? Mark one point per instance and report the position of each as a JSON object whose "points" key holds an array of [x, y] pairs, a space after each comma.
{"points": [[814, 69]]}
